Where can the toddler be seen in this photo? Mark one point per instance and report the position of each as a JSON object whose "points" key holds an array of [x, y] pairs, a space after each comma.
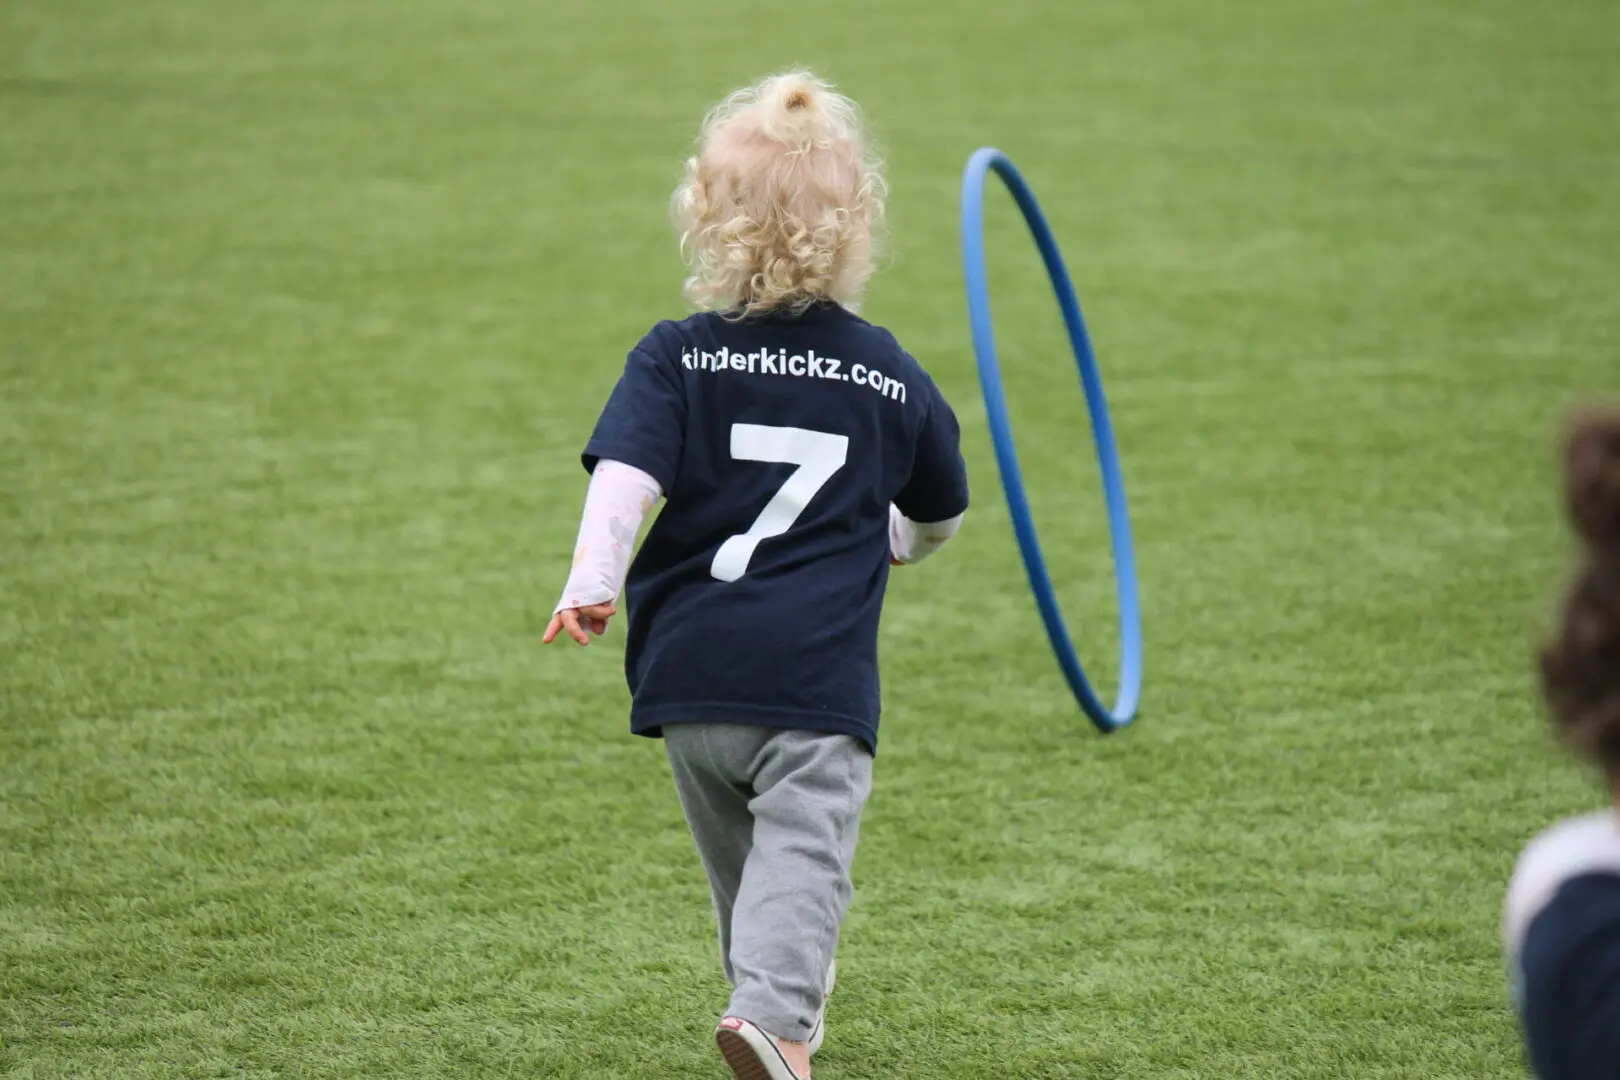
{"points": [[801, 452]]}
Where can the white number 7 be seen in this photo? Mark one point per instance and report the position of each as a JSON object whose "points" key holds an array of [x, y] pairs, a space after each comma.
{"points": [[818, 456]]}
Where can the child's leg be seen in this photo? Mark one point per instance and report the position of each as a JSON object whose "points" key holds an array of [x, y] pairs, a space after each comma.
{"points": [[715, 801], [809, 790]]}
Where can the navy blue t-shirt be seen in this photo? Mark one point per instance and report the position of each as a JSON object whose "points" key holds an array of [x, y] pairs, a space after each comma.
{"points": [[779, 442], [1563, 929], [1570, 988]]}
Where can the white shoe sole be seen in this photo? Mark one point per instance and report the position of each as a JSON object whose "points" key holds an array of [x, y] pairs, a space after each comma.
{"points": [[750, 1052]]}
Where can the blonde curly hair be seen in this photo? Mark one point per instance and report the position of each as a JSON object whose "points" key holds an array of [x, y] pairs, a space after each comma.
{"points": [[781, 206]]}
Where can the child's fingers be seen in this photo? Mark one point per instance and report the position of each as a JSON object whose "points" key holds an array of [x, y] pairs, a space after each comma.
{"points": [[571, 624], [577, 621], [594, 617]]}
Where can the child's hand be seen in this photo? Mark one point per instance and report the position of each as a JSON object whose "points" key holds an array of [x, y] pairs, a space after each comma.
{"points": [[578, 620]]}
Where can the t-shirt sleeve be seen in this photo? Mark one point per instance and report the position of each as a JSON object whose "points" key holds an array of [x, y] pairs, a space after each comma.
{"points": [[644, 421], [1570, 965], [938, 487]]}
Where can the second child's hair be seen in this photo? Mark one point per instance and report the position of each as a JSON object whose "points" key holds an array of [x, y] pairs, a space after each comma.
{"points": [[780, 205], [1580, 662]]}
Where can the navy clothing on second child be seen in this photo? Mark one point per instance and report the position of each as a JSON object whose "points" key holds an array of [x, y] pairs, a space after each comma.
{"points": [[1563, 942]]}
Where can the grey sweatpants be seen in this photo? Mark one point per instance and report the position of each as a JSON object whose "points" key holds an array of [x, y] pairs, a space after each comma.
{"points": [[775, 814]]}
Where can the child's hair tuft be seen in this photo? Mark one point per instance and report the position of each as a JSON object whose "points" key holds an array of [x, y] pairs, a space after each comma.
{"points": [[1592, 480]]}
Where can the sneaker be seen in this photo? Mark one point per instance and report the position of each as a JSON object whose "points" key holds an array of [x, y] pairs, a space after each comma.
{"points": [[820, 1032], [751, 1053]]}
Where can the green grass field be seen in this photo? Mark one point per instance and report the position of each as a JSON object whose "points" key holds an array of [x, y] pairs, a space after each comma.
{"points": [[306, 309]]}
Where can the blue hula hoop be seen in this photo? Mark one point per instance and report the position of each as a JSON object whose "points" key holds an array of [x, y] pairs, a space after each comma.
{"points": [[979, 166]]}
